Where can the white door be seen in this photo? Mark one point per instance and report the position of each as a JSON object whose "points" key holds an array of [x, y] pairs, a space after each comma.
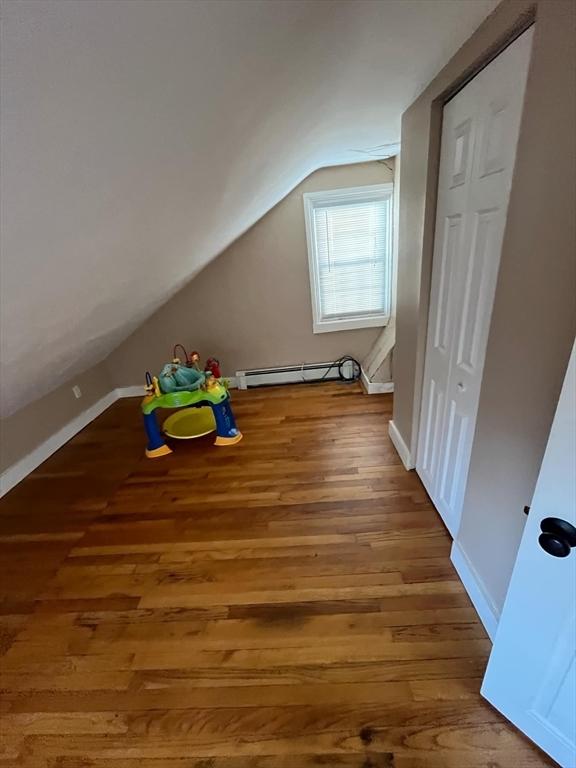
{"points": [[531, 675], [479, 136]]}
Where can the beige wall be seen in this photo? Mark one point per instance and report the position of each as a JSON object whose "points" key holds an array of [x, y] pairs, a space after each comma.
{"points": [[251, 306], [141, 138], [533, 322], [534, 317], [29, 427]]}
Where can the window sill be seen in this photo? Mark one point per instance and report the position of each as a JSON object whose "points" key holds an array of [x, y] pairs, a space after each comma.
{"points": [[352, 324]]}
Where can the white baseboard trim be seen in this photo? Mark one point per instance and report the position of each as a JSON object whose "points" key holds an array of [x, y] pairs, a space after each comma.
{"points": [[137, 390], [18, 471], [401, 447], [474, 586], [375, 387]]}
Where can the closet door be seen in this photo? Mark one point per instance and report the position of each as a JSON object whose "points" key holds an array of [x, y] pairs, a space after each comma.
{"points": [[479, 137]]}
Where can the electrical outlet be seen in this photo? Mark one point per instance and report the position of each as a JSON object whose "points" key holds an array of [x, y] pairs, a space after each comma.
{"points": [[77, 391]]}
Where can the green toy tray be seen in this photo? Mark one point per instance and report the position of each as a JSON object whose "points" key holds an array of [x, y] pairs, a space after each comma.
{"points": [[216, 394]]}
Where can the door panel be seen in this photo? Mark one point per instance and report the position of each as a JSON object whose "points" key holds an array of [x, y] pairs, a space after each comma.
{"points": [[432, 433], [496, 138], [531, 675], [451, 472], [442, 335], [478, 282], [479, 137], [461, 153]]}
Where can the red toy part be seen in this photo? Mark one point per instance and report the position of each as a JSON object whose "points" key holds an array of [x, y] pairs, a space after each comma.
{"points": [[213, 366], [188, 360]]}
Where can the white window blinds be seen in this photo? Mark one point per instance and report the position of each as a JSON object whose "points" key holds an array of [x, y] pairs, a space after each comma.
{"points": [[349, 241]]}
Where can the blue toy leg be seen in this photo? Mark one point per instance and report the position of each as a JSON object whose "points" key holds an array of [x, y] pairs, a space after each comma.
{"points": [[226, 430], [156, 446]]}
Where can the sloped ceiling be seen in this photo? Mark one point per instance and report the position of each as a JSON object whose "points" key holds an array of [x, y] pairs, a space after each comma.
{"points": [[139, 138]]}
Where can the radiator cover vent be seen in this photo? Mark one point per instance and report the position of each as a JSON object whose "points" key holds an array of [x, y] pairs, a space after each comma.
{"points": [[290, 374]]}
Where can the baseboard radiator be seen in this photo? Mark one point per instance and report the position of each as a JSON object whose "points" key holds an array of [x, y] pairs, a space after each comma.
{"points": [[290, 374]]}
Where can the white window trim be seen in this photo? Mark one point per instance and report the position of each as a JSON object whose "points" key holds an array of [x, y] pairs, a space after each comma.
{"points": [[355, 194]]}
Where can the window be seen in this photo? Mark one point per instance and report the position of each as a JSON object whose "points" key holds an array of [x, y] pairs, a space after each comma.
{"points": [[349, 233]]}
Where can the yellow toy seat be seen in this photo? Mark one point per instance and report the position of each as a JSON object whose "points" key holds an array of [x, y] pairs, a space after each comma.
{"points": [[190, 423]]}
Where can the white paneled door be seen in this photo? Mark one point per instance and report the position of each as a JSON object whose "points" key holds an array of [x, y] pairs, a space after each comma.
{"points": [[479, 137], [531, 675]]}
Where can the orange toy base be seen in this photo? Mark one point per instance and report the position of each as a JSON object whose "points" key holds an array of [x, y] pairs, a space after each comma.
{"points": [[157, 452], [228, 440]]}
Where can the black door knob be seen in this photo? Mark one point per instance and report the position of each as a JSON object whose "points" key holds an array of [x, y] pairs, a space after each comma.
{"points": [[558, 536]]}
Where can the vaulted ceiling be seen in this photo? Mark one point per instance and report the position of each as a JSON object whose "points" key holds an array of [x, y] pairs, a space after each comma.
{"points": [[140, 137]]}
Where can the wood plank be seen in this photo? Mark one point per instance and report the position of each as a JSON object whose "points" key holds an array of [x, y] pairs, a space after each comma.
{"points": [[285, 603]]}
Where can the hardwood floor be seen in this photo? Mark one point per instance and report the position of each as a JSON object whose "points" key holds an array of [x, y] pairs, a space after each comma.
{"points": [[285, 603]]}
